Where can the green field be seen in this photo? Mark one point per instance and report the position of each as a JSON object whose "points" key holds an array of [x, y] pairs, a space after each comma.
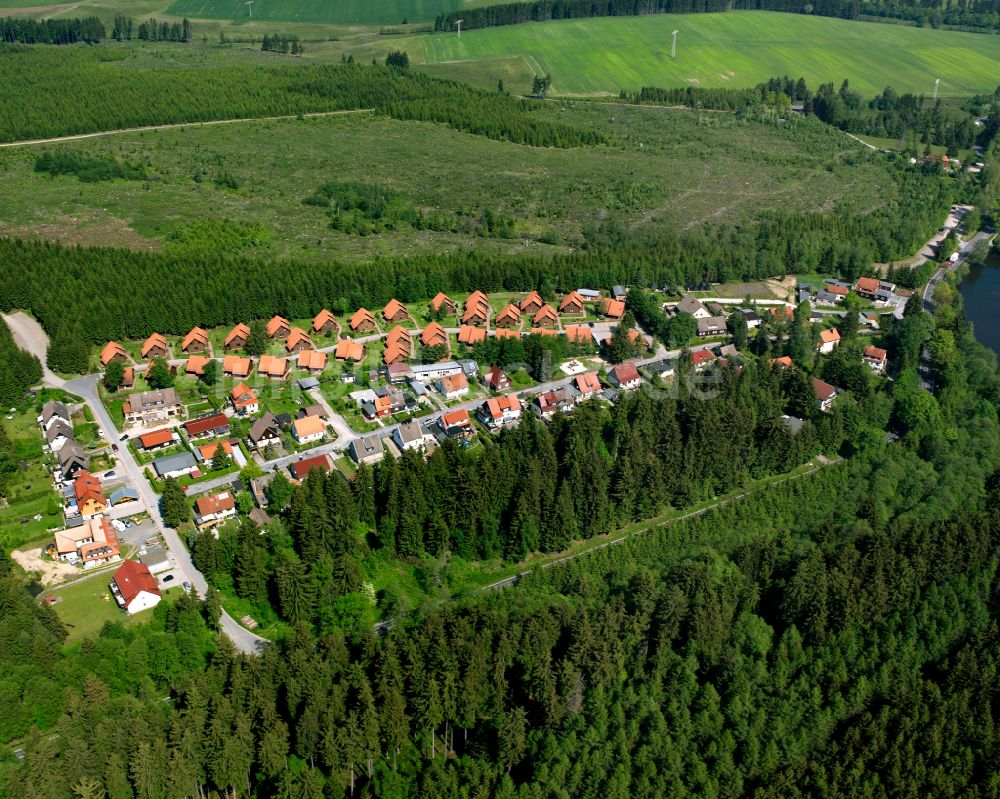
{"points": [[735, 49], [331, 12], [676, 166], [85, 606]]}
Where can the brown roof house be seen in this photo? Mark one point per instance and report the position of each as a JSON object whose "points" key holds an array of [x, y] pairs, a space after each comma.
{"points": [[325, 323], [362, 321], [572, 304], [443, 304], [195, 341], [113, 351], [154, 347], [298, 340], [237, 337], [278, 327], [395, 311]]}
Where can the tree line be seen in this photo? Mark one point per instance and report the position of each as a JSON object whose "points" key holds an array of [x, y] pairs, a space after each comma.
{"points": [[19, 370], [983, 14], [54, 93], [24, 30]]}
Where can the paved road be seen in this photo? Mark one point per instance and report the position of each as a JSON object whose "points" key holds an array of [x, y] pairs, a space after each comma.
{"points": [[78, 136]]}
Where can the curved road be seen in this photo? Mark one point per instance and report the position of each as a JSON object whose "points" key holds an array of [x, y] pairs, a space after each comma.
{"points": [[29, 336]]}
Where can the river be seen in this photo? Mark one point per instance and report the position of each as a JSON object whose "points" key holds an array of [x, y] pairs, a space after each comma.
{"points": [[981, 294]]}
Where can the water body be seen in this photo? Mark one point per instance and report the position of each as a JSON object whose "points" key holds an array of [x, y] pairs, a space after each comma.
{"points": [[981, 293]]}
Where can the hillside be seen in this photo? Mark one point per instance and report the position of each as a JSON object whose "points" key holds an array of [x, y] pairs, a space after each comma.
{"points": [[730, 50]]}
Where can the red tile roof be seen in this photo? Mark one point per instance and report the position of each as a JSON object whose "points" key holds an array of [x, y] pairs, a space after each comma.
{"points": [[572, 301], [442, 299], [829, 336], [875, 353], [824, 391], [277, 325], [394, 309], [155, 341], [312, 359], [208, 451], [240, 331], [626, 373], [132, 578], [298, 337], [323, 318], [699, 357], [216, 503], [506, 332], [216, 421], [348, 350], [467, 334], [588, 383], [614, 309], [866, 285], [156, 438], [784, 361], [112, 350], [242, 396], [197, 334], [433, 335], [301, 468]]}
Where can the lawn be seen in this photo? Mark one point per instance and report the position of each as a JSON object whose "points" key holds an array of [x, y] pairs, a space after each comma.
{"points": [[30, 491], [85, 606], [340, 12], [733, 49], [690, 168]]}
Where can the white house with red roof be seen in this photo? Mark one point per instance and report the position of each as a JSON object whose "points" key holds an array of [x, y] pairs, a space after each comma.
{"points": [[134, 587], [828, 340], [875, 358], [625, 377]]}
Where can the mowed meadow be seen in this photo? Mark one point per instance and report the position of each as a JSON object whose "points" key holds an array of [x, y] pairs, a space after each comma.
{"points": [[736, 49], [329, 12]]}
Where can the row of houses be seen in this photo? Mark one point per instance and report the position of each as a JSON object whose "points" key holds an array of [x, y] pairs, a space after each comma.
{"points": [[69, 457]]}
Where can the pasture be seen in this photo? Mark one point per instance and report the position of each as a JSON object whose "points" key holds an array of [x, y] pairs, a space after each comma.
{"points": [[339, 12], [735, 49]]}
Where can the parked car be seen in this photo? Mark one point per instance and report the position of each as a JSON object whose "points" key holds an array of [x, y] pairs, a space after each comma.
{"points": [[186, 585], [110, 474], [124, 437], [168, 578], [114, 448]]}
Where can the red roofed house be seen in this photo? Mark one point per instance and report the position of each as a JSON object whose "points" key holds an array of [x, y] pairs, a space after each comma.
{"points": [[298, 340], [867, 287], [235, 366], [544, 331], [128, 377], [134, 587], [613, 309], [362, 321], [506, 332], [208, 451], [312, 361], [510, 316], [113, 351], [325, 323], [154, 347], [828, 340], [213, 510], [453, 386], [545, 316], [784, 362], [402, 338], [469, 335], [782, 313], [237, 337], [825, 393], [195, 365], [443, 305], [531, 303], [840, 291], [348, 350], [497, 379], [579, 334], [308, 429], [92, 543], [588, 384], [395, 352], [434, 336], [701, 358], [278, 327], [572, 304], [301, 468], [272, 366], [876, 358], [395, 311], [500, 410], [155, 439], [625, 377], [456, 424], [195, 341], [244, 400], [477, 309], [89, 494], [214, 425]]}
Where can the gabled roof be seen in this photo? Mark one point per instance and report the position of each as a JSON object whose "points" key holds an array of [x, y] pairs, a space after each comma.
{"points": [[510, 313], [196, 365], [236, 366], [875, 353], [614, 309], [496, 377], [441, 299], [312, 359], [240, 331], [690, 305], [196, 334], [209, 451], [272, 366], [308, 426], [533, 299], [476, 313], [459, 418], [496, 406], [401, 336], [867, 285], [112, 350], [301, 468], [785, 361], [155, 341], [506, 332], [545, 314], [477, 299], [625, 373], [123, 494], [588, 383], [843, 291], [361, 316], [450, 383], [394, 353], [410, 431], [70, 453], [467, 334], [323, 318], [573, 299], [174, 463], [216, 421], [433, 335], [242, 396], [829, 336], [784, 312], [60, 427], [276, 325], [132, 578], [156, 438], [823, 391], [260, 427], [297, 337], [578, 334], [348, 350], [544, 331], [393, 308], [215, 503], [54, 408], [699, 357]]}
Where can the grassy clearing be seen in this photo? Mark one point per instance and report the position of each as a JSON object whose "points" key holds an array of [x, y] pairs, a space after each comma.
{"points": [[676, 166], [341, 12], [30, 491], [734, 49], [85, 606]]}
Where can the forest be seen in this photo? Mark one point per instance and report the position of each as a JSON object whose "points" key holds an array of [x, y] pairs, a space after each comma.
{"points": [[977, 14], [19, 370], [130, 294], [60, 92], [25, 30]]}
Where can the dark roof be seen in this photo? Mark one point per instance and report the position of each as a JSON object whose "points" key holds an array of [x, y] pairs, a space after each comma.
{"points": [[215, 421], [259, 428], [174, 463]]}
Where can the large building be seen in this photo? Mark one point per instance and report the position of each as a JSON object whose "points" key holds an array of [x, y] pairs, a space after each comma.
{"points": [[134, 587], [147, 407]]}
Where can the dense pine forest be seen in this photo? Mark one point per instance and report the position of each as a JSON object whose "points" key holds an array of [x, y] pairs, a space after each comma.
{"points": [[51, 31], [19, 370], [59, 92], [977, 14]]}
